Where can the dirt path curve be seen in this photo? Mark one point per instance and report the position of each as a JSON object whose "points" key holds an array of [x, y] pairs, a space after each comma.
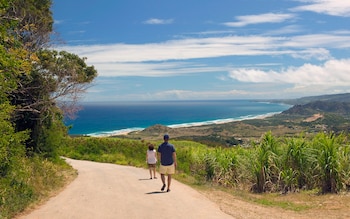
{"points": [[112, 191]]}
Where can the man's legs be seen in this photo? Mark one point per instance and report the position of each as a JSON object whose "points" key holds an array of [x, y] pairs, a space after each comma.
{"points": [[169, 182], [162, 176], [169, 171]]}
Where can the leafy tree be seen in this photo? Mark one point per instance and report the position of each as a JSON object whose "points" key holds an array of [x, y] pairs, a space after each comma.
{"points": [[34, 22], [43, 82], [32, 80], [11, 142], [55, 76]]}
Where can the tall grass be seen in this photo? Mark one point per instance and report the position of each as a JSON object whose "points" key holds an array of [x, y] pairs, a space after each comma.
{"points": [[299, 158], [35, 179], [218, 165], [271, 165], [344, 167], [328, 161], [266, 164], [108, 150]]}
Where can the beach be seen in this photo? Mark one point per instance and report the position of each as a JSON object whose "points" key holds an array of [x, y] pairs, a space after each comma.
{"points": [[111, 119]]}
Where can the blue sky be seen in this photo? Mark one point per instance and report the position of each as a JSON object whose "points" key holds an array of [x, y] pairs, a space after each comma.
{"points": [[206, 49]]}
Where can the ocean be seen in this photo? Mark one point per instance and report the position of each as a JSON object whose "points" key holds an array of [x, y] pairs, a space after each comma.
{"points": [[106, 119]]}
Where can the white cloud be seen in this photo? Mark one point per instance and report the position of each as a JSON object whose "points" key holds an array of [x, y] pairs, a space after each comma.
{"points": [[312, 53], [77, 32], [158, 21], [331, 40], [191, 95], [173, 57], [58, 22], [332, 76], [302, 46], [331, 73], [285, 30], [330, 7], [260, 18], [163, 69], [253, 75]]}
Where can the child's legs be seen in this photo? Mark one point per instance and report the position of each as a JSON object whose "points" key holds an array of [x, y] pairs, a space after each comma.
{"points": [[154, 171]]}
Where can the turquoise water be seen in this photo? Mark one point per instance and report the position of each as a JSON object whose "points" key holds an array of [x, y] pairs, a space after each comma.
{"points": [[99, 119]]}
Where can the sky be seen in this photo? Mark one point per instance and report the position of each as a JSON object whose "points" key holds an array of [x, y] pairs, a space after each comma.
{"points": [[149, 50]]}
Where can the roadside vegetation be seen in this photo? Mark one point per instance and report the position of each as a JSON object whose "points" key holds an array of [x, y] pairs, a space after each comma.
{"points": [[40, 86], [273, 165]]}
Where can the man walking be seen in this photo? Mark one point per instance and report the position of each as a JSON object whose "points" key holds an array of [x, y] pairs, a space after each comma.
{"points": [[167, 157]]}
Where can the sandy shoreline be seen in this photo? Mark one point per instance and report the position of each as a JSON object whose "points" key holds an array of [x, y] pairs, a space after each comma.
{"points": [[124, 132]]}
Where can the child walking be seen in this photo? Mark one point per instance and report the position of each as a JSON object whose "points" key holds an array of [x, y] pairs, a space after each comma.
{"points": [[151, 158]]}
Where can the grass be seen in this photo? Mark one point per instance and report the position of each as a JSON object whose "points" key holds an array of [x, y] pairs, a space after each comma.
{"points": [[215, 171], [273, 201], [32, 183], [297, 202], [227, 168]]}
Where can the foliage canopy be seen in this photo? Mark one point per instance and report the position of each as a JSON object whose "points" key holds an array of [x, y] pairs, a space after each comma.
{"points": [[41, 84]]}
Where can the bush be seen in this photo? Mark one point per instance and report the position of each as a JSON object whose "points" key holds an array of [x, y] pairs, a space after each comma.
{"points": [[112, 150], [32, 180], [271, 165]]}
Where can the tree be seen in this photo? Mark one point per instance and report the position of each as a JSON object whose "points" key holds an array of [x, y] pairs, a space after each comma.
{"points": [[34, 22], [57, 79], [39, 80], [66, 77], [11, 142]]}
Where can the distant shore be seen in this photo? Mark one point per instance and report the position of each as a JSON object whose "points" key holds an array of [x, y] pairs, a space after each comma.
{"points": [[125, 132], [122, 118]]}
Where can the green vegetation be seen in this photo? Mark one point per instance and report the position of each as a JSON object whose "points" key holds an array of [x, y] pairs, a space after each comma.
{"points": [[272, 165], [32, 80], [33, 180], [38, 87], [341, 98], [107, 150]]}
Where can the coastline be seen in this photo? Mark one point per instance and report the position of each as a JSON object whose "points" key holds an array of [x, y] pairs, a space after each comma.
{"points": [[120, 119], [125, 132]]}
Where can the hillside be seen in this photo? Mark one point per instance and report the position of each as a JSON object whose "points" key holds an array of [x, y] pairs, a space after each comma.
{"points": [[319, 113], [344, 97], [341, 108]]}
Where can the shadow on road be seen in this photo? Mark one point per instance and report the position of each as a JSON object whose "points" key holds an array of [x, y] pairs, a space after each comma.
{"points": [[155, 192]]}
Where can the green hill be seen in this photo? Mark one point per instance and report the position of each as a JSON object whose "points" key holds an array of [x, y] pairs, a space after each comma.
{"points": [[340, 108], [344, 97]]}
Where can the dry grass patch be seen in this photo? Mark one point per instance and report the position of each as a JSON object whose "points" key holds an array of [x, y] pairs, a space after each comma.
{"points": [[243, 204]]}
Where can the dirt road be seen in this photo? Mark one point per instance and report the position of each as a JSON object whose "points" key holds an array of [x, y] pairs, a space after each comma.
{"points": [[113, 191]]}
